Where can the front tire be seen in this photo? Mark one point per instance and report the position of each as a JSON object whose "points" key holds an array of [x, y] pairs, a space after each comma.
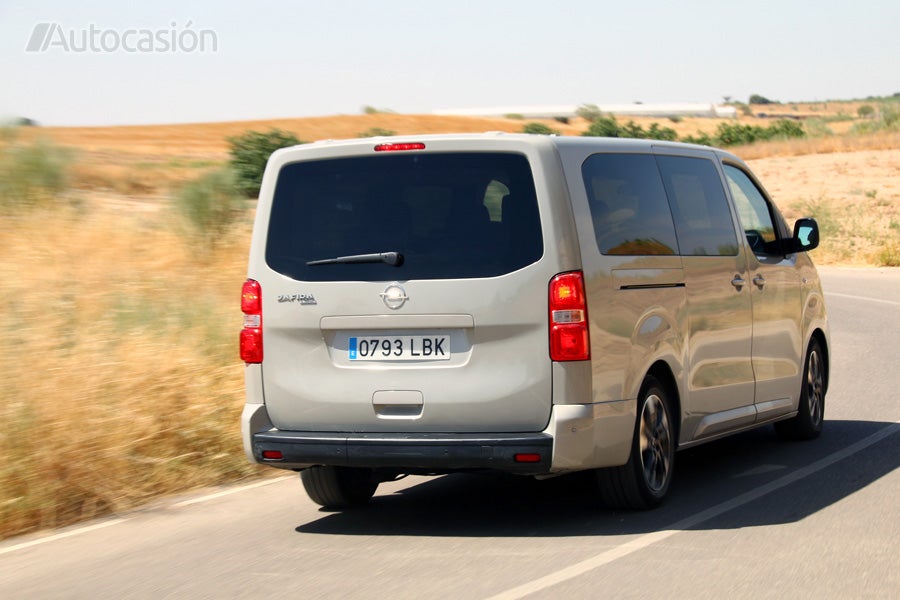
{"points": [[807, 425], [643, 481], [338, 487]]}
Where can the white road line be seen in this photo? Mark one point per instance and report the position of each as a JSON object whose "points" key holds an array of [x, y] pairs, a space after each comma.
{"points": [[94, 527], [649, 539], [866, 298], [230, 491], [59, 536]]}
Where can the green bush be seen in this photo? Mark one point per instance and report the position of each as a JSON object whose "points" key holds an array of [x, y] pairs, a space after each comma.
{"points": [[538, 128], [865, 111], [702, 138], [603, 127], [376, 132], [32, 174], [209, 206], [249, 153], [661, 133], [609, 127], [735, 134], [784, 129], [631, 130], [589, 112]]}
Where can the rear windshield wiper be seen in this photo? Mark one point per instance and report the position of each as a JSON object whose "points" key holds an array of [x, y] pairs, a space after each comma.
{"points": [[395, 259]]}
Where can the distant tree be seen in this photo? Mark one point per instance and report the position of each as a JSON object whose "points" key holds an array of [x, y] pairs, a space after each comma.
{"points": [[866, 111], [757, 99], [372, 110]]}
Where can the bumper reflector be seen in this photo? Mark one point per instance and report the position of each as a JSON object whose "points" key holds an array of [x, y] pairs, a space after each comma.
{"points": [[527, 457]]}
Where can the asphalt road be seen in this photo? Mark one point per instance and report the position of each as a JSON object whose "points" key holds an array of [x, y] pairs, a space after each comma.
{"points": [[748, 517]]}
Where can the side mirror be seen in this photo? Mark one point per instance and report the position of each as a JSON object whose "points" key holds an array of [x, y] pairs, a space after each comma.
{"points": [[806, 235]]}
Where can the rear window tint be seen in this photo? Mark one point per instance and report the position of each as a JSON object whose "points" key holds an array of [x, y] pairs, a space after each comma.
{"points": [[450, 216], [628, 204]]}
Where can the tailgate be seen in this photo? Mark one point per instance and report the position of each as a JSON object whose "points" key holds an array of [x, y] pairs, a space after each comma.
{"points": [[405, 291]]}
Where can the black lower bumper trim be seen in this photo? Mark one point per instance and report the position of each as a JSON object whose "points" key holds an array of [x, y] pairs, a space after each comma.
{"points": [[421, 451]]}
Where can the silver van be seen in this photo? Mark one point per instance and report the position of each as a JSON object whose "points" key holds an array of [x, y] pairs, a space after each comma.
{"points": [[523, 303]]}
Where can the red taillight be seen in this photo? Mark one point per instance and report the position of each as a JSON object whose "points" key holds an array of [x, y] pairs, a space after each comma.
{"points": [[272, 455], [400, 146], [569, 338], [251, 334]]}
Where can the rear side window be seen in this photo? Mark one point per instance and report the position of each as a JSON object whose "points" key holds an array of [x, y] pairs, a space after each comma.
{"points": [[450, 216], [703, 220], [628, 205]]}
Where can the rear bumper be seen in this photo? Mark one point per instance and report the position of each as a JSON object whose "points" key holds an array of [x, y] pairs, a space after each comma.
{"points": [[436, 452], [578, 436]]}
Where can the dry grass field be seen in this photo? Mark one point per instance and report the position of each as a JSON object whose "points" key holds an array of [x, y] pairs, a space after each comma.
{"points": [[118, 363]]}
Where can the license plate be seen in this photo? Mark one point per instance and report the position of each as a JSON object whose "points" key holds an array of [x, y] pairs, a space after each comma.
{"points": [[399, 348]]}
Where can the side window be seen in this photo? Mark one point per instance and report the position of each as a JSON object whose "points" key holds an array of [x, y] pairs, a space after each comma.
{"points": [[628, 205], [753, 210], [702, 218]]}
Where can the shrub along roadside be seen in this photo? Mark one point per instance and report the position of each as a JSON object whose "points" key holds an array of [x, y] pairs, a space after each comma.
{"points": [[608, 126], [539, 129], [250, 152], [31, 175], [209, 206]]}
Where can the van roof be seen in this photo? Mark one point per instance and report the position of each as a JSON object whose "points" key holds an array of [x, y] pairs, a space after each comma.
{"points": [[587, 142]]}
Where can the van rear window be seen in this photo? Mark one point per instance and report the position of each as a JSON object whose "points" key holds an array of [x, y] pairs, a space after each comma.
{"points": [[404, 216]]}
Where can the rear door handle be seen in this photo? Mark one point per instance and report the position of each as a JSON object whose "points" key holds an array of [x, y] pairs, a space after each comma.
{"points": [[738, 282], [759, 281]]}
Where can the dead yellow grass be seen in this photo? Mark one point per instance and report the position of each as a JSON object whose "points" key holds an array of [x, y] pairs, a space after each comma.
{"points": [[855, 196], [157, 159], [117, 365], [888, 140]]}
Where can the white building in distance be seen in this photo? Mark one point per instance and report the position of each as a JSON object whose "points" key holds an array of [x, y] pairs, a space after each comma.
{"points": [[624, 110]]}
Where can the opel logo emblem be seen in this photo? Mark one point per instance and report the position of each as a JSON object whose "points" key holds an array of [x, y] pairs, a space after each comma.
{"points": [[394, 296]]}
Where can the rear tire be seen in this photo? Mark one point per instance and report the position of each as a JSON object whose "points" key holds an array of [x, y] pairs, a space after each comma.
{"points": [[338, 487], [807, 425], [643, 481]]}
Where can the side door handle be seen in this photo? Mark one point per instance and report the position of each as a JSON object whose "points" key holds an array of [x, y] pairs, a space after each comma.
{"points": [[738, 282], [759, 281]]}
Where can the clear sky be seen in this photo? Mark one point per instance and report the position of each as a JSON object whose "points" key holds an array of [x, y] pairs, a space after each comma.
{"points": [[303, 58]]}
